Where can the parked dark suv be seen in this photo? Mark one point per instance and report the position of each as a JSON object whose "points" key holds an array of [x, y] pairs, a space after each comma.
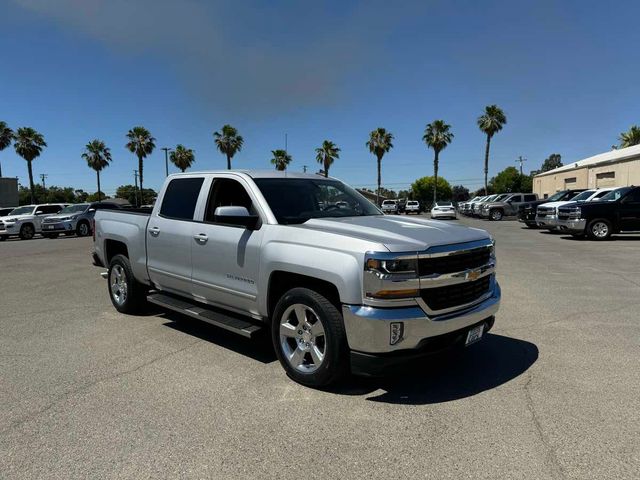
{"points": [[616, 212], [527, 211]]}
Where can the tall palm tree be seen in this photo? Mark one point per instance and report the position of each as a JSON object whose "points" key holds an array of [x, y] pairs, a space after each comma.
{"points": [[280, 159], [142, 144], [437, 135], [326, 155], [228, 142], [627, 139], [379, 143], [6, 136], [490, 122], [182, 157], [98, 157], [29, 144]]}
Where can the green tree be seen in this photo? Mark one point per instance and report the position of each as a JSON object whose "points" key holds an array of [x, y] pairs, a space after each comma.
{"points": [[630, 137], [98, 157], [280, 159], [97, 197], [80, 196], [29, 144], [422, 189], [326, 155], [228, 142], [182, 157], [141, 143], [509, 180], [552, 161], [437, 135], [379, 143], [460, 193], [6, 136], [132, 194], [490, 123], [61, 194]]}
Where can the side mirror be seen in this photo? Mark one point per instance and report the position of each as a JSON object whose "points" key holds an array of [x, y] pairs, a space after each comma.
{"points": [[39, 212], [236, 216], [91, 210]]}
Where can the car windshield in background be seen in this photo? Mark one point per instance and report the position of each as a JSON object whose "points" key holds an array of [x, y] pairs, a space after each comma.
{"points": [[22, 211], [556, 196], [300, 199], [614, 195], [584, 195], [81, 207]]}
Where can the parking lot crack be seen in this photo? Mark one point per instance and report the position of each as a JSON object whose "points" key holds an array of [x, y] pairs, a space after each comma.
{"points": [[87, 386]]}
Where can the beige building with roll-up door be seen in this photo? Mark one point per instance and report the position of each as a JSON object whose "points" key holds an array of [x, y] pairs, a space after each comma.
{"points": [[617, 168]]}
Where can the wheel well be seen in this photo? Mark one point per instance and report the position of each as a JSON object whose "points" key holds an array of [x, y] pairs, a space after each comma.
{"points": [[113, 248], [27, 223], [281, 282]]}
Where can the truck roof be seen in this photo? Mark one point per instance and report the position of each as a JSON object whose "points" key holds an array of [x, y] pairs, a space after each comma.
{"points": [[260, 174]]}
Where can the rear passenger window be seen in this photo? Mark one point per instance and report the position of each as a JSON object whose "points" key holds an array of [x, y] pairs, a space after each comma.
{"points": [[180, 198], [516, 198], [529, 198]]}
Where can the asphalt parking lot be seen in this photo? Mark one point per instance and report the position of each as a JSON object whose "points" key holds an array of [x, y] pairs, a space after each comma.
{"points": [[552, 392]]}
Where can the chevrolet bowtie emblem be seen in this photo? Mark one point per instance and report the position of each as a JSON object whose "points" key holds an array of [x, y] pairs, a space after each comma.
{"points": [[473, 275]]}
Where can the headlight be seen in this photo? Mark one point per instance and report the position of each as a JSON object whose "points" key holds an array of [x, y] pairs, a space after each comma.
{"points": [[392, 266], [576, 213], [391, 278]]}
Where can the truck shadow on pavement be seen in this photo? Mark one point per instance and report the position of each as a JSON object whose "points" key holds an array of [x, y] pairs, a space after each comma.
{"points": [[488, 364]]}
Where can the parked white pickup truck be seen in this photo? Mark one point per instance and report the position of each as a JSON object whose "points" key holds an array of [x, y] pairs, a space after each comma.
{"points": [[341, 286]]}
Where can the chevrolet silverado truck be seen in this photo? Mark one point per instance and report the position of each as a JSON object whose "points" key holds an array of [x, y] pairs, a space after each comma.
{"points": [[527, 211], [508, 206], [617, 212], [340, 288], [547, 213]]}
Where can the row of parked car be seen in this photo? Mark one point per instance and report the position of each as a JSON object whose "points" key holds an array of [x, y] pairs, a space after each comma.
{"points": [[594, 213], [50, 219]]}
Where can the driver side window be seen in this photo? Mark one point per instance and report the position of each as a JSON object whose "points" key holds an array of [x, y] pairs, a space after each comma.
{"points": [[226, 192]]}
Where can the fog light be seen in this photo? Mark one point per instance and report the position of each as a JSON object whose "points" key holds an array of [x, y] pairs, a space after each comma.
{"points": [[397, 330]]}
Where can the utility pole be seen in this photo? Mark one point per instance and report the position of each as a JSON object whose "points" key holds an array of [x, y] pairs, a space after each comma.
{"points": [[44, 185], [521, 160], [285, 143], [304, 168], [166, 159], [135, 179]]}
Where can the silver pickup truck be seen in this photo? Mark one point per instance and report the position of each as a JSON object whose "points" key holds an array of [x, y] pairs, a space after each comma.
{"points": [[341, 287]]}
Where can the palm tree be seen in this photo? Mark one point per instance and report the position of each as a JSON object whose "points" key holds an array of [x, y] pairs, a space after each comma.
{"points": [[29, 144], [437, 136], [280, 159], [182, 157], [627, 139], [379, 143], [142, 144], [326, 155], [490, 123], [6, 136], [98, 157], [228, 142]]}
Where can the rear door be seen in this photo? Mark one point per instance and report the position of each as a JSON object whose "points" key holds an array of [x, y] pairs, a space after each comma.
{"points": [[226, 257], [169, 238], [630, 211]]}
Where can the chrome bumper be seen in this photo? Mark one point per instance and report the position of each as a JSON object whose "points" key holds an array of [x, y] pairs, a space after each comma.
{"points": [[369, 328], [577, 225], [547, 221]]}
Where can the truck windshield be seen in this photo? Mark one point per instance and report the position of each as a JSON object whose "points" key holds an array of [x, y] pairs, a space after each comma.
{"points": [[296, 200], [583, 196], [616, 194], [557, 196], [74, 208]]}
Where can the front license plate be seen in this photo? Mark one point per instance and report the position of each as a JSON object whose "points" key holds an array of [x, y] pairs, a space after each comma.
{"points": [[474, 334], [48, 227]]}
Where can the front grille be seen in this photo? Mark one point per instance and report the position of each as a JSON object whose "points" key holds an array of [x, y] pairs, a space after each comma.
{"points": [[458, 262], [566, 213], [543, 212], [440, 298]]}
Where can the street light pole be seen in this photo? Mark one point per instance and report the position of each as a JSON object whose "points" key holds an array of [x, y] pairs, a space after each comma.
{"points": [[166, 159], [521, 160], [135, 191]]}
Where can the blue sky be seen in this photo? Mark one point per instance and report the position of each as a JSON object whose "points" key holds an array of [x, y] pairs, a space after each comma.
{"points": [[566, 74]]}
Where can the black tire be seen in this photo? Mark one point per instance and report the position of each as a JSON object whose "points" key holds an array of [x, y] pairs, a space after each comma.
{"points": [[599, 229], [83, 229], [134, 298], [578, 235], [532, 226], [335, 362], [27, 231], [496, 214], [3, 238], [50, 235]]}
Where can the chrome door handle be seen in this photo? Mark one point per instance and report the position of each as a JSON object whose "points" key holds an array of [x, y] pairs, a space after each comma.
{"points": [[155, 231], [201, 238]]}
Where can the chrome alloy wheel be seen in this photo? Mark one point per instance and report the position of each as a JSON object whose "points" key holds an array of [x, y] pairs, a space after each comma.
{"points": [[84, 229], [600, 229], [118, 282], [302, 338]]}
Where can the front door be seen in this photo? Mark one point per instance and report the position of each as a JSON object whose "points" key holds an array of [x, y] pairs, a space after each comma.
{"points": [[630, 211], [226, 258]]}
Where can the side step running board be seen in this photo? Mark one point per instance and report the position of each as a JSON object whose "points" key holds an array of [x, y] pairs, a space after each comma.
{"points": [[207, 314]]}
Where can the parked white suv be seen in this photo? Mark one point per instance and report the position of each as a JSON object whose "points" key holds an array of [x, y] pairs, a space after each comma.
{"points": [[390, 206], [412, 206], [26, 221]]}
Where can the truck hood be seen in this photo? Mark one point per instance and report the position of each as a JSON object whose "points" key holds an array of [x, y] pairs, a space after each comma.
{"points": [[557, 204], [398, 234]]}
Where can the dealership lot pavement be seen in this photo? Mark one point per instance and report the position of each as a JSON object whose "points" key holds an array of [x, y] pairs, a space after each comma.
{"points": [[552, 392]]}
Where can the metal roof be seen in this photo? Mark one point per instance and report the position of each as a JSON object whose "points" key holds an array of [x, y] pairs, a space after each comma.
{"points": [[611, 156]]}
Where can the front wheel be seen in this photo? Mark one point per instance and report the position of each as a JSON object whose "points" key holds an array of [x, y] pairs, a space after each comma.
{"points": [[126, 293], [309, 338], [599, 229], [27, 231], [496, 215], [82, 230]]}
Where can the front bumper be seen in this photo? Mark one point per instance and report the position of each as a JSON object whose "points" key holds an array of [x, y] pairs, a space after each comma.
{"points": [[548, 221], [369, 328], [571, 225], [58, 227]]}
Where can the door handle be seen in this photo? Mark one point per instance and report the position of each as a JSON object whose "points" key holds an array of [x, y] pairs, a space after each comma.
{"points": [[201, 238], [155, 231]]}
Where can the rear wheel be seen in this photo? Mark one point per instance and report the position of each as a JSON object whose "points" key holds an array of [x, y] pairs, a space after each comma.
{"points": [[27, 231], [126, 293], [599, 229], [309, 338]]}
